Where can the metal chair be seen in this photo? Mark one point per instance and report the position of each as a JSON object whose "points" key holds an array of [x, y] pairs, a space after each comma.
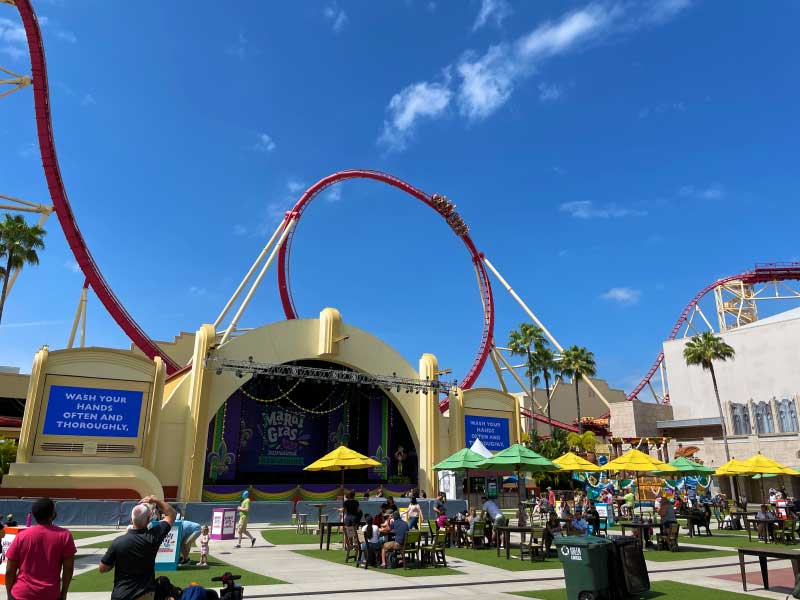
{"points": [[435, 551], [352, 544], [302, 523], [410, 548]]}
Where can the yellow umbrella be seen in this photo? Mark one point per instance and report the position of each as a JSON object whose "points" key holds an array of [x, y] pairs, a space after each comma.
{"points": [[341, 459], [759, 464], [732, 468], [573, 462], [638, 462]]}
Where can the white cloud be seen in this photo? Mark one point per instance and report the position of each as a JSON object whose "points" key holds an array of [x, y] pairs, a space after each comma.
{"points": [[550, 92], [336, 15], [12, 51], [483, 83], [73, 266], [419, 100], [492, 10], [334, 193], [622, 295], [66, 36], [27, 151], [239, 230], [88, 100], [240, 48], [13, 42], [431, 6], [714, 191], [586, 209], [294, 186], [264, 144], [197, 291]]}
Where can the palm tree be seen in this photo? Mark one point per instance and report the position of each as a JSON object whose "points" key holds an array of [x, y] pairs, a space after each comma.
{"points": [[18, 245], [523, 342], [703, 350], [543, 360], [577, 363]]}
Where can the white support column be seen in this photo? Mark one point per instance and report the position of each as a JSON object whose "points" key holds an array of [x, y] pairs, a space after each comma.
{"points": [[540, 325], [249, 274], [257, 282], [77, 319]]}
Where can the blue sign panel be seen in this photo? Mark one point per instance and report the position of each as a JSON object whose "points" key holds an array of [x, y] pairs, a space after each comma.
{"points": [[92, 412], [492, 431]]}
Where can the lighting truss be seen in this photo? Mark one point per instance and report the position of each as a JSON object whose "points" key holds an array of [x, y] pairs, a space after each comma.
{"points": [[295, 372]]}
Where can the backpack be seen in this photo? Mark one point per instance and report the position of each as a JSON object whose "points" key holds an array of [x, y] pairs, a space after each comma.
{"points": [[195, 592], [165, 589], [392, 561]]}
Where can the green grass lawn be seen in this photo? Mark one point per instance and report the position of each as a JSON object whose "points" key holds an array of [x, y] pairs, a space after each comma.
{"points": [[664, 590], [105, 544], [281, 537], [337, 556], [729, 541], [488, 556], [82, 535], [94, 581], [685, 553]]}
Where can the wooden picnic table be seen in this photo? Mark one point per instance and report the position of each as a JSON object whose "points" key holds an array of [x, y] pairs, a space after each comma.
{"points": [[506, 531], [329, 525], [763, 554], [638, 528]]}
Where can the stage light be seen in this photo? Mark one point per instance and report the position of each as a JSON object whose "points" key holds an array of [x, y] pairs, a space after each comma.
{"points": [[219, 371], [249, 359], [239, 374]]}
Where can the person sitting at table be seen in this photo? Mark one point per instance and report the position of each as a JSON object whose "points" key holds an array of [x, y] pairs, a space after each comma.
{"points": [[578, 525], [563, 510], [399, 528], [441, 520], [544, 504], [390, 504], [371, 544], [630, 502], [765, 523], [593, 518], [472, 518], [551, 529], [667, 513]]}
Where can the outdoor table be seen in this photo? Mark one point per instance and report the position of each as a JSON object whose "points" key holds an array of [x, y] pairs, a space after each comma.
{"points": [[766, 522], [458, 526], [329, 526], [506, 531], [736, 517], [763, 554]]}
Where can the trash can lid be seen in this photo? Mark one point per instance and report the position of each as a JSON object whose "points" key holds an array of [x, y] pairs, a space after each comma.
{"points": [[582, 541]]}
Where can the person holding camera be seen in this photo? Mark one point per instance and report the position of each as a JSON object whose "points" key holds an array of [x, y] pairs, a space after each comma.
{"points": [[40, 560], [134, 554]]}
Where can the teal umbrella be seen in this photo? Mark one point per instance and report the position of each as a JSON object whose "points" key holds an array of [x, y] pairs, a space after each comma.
{"points": [[685, 467]]}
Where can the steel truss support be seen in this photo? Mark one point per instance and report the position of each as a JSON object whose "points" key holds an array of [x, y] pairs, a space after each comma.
{"points": [[273, 247], [298, 372], [80, 317], [16, 80], [539, 324]]}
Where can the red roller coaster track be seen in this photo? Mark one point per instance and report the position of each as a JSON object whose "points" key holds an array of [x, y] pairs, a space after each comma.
{"points": [[58, 194], [762, 273], [484, 285]]}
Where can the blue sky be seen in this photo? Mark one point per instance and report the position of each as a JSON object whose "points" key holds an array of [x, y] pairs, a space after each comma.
{"points": [[611, 158]]}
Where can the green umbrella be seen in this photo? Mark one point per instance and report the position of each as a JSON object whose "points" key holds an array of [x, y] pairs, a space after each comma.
{"points": [[463, 460], [686, 467], [518, 459], [460, 461], [764, 476]]}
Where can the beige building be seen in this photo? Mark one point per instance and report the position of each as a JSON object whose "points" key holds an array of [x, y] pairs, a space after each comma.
{"points": [[759, 390]]}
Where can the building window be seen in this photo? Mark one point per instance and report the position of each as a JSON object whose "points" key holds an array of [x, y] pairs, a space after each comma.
{"points": [[740, 417], [787, 415], [764, 421]]}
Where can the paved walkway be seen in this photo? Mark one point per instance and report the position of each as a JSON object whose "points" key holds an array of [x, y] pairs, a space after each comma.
{"points": [[309, 577]]}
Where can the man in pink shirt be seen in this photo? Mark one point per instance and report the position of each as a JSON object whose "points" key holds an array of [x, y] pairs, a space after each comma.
{"points": [[41, 559]]}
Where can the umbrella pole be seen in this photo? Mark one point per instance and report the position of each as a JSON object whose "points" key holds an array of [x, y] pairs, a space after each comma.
{"points": [[342, 485]]}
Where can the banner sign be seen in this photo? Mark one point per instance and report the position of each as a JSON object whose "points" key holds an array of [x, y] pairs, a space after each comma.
{"points": [[93, 412], [169, 552], [10, 534], [492, 431], [283, 440]]}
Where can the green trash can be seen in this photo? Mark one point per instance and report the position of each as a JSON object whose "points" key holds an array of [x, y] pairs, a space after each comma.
{"points": [[585, 560]]}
